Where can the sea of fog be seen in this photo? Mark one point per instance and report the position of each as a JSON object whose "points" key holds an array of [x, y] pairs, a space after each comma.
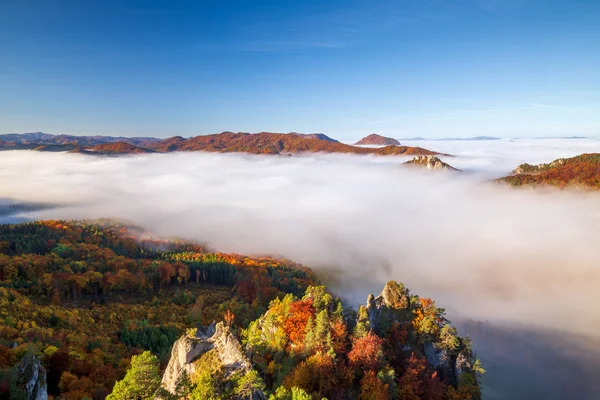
{"points": [[516, 269]]}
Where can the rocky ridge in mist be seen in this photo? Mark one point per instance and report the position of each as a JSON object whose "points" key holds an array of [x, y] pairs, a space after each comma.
{"points": [[449, 355], [430, 162]]}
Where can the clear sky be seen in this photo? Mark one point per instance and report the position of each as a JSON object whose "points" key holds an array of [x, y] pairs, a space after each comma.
{"points": [[432, 68]]}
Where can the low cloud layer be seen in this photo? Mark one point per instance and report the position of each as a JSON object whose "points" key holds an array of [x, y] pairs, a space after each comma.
{"points": [[481, 250]]}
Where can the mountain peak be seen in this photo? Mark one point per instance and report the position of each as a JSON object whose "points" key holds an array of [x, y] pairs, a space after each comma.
{"points": [[375, 139]]}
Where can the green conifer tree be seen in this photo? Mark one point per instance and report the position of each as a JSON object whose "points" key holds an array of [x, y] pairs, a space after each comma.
{"points": [[141, 380]]}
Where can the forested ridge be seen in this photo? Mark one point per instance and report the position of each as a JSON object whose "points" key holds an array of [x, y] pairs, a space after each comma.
{"points": [[582, 171], [225, 142], [85, 297]]}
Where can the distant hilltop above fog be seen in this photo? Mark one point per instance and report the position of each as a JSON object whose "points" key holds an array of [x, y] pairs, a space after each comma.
{"points": [[375, 139], [226, 142], [581, 172]]}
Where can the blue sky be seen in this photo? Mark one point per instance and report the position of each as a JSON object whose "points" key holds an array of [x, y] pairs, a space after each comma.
{"points": [[432, 68]]}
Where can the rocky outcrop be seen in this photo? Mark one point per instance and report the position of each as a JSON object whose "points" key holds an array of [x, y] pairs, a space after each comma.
{"points": [[430, 162], [375, 139], [31, 379], [393, 304], [189, 349]]}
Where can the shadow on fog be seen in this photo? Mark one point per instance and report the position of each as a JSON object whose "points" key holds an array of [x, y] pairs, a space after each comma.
{"points": [[532, 363], [13, 211]]}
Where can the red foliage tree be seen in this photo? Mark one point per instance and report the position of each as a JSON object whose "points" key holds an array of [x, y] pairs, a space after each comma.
{"points": [[295, 324], [167, 272], [229, 317], [367, 352]]}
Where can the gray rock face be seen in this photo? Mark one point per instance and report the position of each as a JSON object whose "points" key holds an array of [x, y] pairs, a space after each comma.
{"points": [[463, 362], [188, 349], [442, 360], [32, 378]]}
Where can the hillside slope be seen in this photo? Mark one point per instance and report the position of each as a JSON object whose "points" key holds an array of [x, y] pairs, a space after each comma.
{"points": [[84, 297], [582, 172], [119, 148]]}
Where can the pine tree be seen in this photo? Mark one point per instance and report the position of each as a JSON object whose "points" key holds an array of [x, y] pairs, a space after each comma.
{"points": [[249, 384], [183, 386], [207, 388], [363, 325], [322, 326], [141, 380], [284, 393], [309, 339]]}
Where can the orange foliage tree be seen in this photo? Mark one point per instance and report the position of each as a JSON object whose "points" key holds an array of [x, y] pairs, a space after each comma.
{"points": [[295, 324], [372, 388], [367, 352]]}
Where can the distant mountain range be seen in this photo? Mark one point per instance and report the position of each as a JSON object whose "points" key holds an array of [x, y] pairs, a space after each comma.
{"points": [[449, 139], [46, 138], [562, 137], [476, 138], [226, 142]]}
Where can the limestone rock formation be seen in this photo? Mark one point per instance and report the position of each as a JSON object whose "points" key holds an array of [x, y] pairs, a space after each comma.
{"points": [[430, 162], [391, 305], [31, 379], [188, 349]]}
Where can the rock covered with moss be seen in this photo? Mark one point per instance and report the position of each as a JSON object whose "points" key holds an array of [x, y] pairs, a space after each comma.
{"points": [[30, 381]]}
